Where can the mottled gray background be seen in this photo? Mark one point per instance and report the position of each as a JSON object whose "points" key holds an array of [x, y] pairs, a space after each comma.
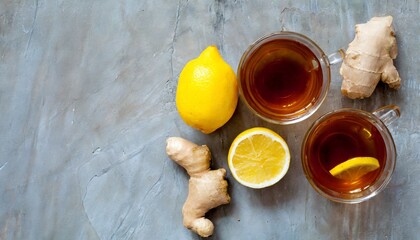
{"points": [[87, 100]]}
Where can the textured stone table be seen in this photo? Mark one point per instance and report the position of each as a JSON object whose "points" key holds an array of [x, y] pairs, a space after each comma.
{"points": [[87, 100]]}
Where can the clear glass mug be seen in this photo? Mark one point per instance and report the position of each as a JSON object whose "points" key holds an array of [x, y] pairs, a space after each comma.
{"points": [[284, 77], [344, 134]]}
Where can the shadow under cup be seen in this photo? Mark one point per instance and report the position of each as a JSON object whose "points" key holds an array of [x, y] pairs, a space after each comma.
{"points": [[283, 77]]}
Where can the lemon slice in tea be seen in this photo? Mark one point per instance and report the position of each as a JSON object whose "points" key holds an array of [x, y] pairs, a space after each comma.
{"points": [[258, 158], [355, 168]]}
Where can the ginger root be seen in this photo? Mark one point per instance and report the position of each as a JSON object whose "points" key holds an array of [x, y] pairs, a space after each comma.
{"points": [[369, 58], [207, 188]]}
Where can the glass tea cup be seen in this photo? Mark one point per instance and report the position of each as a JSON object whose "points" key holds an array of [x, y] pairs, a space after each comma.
{"points": [[284, 77], [346, 134]]}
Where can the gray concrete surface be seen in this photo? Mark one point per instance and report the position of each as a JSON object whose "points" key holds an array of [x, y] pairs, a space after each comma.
{"points": [[87, 100]]}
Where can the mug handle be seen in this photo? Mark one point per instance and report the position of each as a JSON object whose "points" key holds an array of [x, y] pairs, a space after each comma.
{"points": [[336, 57], [388, 113]]}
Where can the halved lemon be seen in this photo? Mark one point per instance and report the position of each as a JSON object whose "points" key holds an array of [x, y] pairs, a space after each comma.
{"points": [[258, 158], [355, 168]]}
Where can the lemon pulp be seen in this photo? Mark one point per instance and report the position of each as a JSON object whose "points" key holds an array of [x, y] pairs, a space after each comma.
{"points": [[355, 168], [258, 158]]}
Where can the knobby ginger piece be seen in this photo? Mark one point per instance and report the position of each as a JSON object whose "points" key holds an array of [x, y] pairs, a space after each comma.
{"points": [[369, 58], [207, 188]]}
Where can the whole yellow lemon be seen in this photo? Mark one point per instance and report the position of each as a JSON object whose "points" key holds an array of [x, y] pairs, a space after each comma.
{"points": [[207, 91]]}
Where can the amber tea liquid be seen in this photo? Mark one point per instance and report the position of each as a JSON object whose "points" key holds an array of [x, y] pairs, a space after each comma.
{"points": [[281, 76], [340, 137]]}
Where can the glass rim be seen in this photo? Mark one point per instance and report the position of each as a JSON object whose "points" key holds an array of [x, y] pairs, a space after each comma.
{"points": [[311, 108], [379, 184]]}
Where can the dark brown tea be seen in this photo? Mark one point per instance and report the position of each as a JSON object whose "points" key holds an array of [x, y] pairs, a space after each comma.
{"points": [[281, 76], [340, 137]]}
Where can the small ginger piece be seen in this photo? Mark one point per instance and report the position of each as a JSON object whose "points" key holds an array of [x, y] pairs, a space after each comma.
{"points": [[207, 188], [369, 58]]}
